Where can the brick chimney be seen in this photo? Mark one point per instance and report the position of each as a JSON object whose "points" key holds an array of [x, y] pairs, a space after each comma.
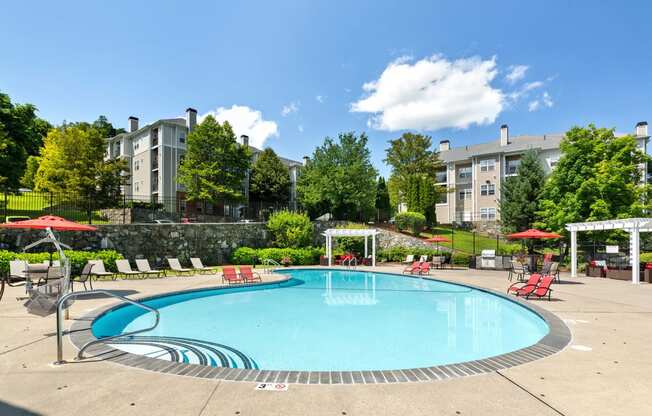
{"points": [[132, 123], [641, 129], [504, 135], [191, 118]]}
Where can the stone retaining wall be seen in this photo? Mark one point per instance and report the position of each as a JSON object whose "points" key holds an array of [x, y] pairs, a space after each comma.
{"points": [[213, 243]]}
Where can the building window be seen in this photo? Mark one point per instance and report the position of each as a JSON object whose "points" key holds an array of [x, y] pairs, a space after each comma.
{"points": [[487, 165], [512, 166], [137, 187], [488, 189], [552, 163], [465, 172], [465, 194], [136, 145], [443, 196], [182, 139], [137, 165], [440, 176], [487, 213]]}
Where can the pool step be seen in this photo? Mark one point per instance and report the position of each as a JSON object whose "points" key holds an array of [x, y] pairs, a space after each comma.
{"points": [[185, 350]]}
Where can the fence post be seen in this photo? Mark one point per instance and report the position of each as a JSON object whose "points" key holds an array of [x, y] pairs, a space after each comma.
{"points": [[497, 242], [90, 210], [474, 242], [51, 203], [124, 208], [6, 207], [452, 237]]}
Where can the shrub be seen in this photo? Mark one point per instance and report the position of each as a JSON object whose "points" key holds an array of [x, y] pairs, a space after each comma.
{"points": [[646, 258], [410, 220], [461, 259], [297, 256], [77, 258], [290, 229], [509, 249]]}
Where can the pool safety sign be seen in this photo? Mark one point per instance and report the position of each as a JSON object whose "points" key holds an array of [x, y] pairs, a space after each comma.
{"points": [[272, 386]]}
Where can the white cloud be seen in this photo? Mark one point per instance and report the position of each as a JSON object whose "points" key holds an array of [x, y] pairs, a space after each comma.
{"points": [[431, 94], [245, 120], [320, 98], [544, 101], [516, 73], [300, 128], [289, 109], [525, 89]]}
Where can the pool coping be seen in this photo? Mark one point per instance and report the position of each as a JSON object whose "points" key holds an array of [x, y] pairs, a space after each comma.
{"points": [[556, 340]]}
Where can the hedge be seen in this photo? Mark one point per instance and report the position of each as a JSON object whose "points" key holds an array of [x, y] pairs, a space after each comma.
{"points": [[298, 256], [412, 220], [77, 258], [290, 229]]}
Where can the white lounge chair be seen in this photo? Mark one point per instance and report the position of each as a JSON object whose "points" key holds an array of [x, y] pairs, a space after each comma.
{"points": [[424, 258], [199, 266], [17, 272], [409, 259], [124, 268], [176, 267], [99, 270], [143, 266]]}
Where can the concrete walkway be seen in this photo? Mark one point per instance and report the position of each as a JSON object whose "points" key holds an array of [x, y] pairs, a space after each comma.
{"points": [[607, 370]]}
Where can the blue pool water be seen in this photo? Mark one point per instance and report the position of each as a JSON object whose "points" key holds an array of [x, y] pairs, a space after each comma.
{"points": [[335, 320]]}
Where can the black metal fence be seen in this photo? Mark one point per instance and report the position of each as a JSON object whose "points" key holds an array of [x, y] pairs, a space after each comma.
{"points": [[131, 209]]}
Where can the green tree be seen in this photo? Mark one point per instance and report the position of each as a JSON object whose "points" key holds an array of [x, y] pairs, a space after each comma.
{"points": [[270, 178], [21, 135], [215, 165], [290, 229], [31, 167], [72, 164], [519, 195], [105, 128], [383, 206], [339, 179], [597, 178], [421, 196]]}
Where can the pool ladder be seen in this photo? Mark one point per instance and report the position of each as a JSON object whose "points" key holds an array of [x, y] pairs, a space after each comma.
{"points": [[350, 262], [80, 355]]}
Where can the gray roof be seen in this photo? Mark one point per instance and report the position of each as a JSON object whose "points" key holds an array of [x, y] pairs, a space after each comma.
{"points": [[516, 144], [286, 161]]}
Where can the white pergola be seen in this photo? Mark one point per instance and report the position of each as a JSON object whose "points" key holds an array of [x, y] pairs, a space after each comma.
{"points": [[351, 232], [634, 226]]}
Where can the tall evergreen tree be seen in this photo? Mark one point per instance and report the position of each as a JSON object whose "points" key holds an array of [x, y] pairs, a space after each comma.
{"points": [[270, 179], [382, 200], [215, 165], [519, 195]]}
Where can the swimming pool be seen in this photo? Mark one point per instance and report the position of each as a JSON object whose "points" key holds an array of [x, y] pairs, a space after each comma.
{"points": [[329, 320]]}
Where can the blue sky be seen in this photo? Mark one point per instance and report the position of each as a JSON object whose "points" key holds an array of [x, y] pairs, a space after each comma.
{"points": [[298, 71]]}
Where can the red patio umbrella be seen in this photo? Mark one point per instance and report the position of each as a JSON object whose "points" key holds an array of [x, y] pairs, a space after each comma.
{"points": [[533, 234], [50, 221], [438, 239]]}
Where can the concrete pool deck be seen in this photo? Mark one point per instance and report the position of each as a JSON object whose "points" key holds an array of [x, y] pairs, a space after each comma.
{"points": [[606, 370]]}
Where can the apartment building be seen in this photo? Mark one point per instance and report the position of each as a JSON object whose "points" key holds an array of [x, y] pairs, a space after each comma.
{"points": [[473, 174], [154, 153]]}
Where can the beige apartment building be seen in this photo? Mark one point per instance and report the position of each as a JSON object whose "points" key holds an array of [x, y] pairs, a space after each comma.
{"points": [[154, 153], [473, 174]]}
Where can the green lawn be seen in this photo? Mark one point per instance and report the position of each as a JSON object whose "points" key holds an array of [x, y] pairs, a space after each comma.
{"points": [[34, 205], [463, 240]]}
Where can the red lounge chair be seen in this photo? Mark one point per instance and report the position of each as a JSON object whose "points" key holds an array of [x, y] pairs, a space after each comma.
{"points": [[229, 275], [530, 285], [425, 268], [248, 275], [543, 288], [414, 268]]}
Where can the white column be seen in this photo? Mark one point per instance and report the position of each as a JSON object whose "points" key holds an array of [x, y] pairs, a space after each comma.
{"points": [[573, 253], [373, 250], [330, 250], [366, 239], [634, 254]]}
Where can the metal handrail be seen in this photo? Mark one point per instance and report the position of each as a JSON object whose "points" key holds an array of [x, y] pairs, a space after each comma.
{"points": [[271, 262], [60, 308]]}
